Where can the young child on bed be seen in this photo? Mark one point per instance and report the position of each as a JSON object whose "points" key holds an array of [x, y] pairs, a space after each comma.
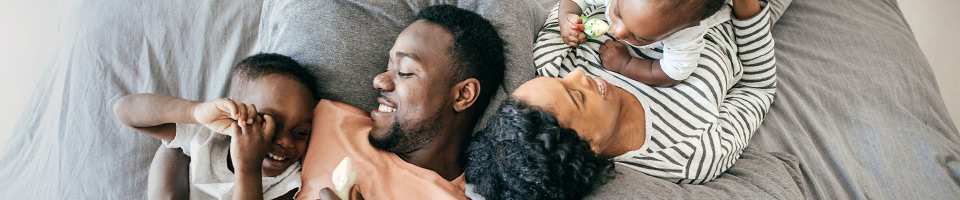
{"points": [[676, 27], [246, 146]]}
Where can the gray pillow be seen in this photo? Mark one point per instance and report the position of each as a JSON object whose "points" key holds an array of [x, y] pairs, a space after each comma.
{"points": [[346, 43]]}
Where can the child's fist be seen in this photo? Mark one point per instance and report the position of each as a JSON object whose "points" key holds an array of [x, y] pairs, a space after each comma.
{"points": [[571, 29], [249, 144], [614, 55]]}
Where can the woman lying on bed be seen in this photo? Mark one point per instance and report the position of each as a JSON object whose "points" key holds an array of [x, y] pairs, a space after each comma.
{"points": [[558, 136]]}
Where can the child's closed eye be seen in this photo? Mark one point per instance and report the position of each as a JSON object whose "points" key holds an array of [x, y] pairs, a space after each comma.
{"points": [[301, 134]]}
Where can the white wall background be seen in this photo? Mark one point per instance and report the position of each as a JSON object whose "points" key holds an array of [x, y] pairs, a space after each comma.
{"points": [[936, 26], [28, 41]]}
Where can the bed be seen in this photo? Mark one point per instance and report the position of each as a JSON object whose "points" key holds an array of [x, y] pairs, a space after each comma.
{"points": [[857, 113]]}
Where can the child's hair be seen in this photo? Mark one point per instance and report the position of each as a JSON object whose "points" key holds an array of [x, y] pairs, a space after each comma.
{"points": [[262, 64], [524, 153]]}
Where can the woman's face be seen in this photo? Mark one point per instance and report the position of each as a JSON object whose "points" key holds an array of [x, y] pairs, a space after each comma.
{"points": [[585, 104]]}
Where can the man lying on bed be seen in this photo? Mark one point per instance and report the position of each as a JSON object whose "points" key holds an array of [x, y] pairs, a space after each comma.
{"points": [[442, 72]]}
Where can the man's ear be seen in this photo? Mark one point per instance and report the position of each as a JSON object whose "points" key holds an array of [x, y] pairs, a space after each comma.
{"points": [[465, 94]]}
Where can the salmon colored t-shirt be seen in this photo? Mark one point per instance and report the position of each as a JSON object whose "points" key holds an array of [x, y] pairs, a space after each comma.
{"points": [[341, 130]]}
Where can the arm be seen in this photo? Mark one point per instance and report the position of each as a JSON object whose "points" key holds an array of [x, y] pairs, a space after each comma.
{"points": [[169, 175], [156, 114], [614, 57], [748, 101], [745, 9], [248, 147]]}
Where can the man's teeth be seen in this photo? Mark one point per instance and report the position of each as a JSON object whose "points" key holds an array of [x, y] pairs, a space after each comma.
{"points": [[385, 108], [276, 157]]}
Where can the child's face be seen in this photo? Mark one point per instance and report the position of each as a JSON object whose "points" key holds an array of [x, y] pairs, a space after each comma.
{"points": [[643, 22], [291, 105]]}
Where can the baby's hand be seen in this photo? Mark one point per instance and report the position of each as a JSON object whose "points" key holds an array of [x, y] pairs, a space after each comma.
{"points": [[219, 114], [249, 144], [571, 29], [613, 55]]}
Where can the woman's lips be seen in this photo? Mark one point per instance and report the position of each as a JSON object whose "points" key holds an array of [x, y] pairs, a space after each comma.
{"points": [[602, 86]]}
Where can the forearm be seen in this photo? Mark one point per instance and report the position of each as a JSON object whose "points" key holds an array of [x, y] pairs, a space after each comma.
{"points": [[148, 113], [169, 175], [744, 9], [249, 185], [647, 72], [568, 6], [756, 51]]}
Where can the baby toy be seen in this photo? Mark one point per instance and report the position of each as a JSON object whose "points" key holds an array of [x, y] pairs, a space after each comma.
{"points": [[593, 27], [344, 176]]}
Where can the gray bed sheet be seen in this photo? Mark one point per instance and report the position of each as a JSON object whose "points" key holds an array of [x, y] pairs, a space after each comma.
{"points": [[857, 101]]}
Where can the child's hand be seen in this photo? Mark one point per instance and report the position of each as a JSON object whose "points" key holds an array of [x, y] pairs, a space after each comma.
{"points": [[250, 143], [613, 55], [219, 114], [571, 29]]}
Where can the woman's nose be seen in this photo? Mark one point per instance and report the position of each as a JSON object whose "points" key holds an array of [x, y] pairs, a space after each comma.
{"points": [[383, 81], [578, 76]]}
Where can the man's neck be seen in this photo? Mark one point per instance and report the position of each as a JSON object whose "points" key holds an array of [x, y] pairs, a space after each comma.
{"points": [[444, 154]]}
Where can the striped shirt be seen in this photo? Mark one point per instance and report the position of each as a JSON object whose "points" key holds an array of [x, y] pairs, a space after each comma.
{"points": [[697, 129]]}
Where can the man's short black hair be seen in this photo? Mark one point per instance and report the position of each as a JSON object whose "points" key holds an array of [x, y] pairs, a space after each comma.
{"points": [[524, 153], [477, 50], [262, 64]]}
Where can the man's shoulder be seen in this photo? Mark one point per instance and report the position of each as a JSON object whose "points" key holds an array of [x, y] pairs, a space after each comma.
{"points": [[337, 120], [328, 106]]}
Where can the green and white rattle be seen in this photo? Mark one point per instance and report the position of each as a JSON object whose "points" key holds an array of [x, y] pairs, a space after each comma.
{"points": [[594, 27]]}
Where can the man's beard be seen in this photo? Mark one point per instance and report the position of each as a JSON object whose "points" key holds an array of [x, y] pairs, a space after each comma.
{"points": [[407, 137]]}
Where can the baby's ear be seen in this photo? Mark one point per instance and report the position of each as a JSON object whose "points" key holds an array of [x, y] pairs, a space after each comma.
{"points": [[465, 94]]}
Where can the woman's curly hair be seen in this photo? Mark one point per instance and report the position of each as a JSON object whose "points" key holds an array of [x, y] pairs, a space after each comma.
{"points": [[524, 153]]}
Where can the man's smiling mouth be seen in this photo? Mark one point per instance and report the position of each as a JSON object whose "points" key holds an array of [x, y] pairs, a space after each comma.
{"points": [[386, 109], [385, 105]]}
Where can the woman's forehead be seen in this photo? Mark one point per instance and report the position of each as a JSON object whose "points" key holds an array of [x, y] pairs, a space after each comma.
{"points": [[548, 93]]}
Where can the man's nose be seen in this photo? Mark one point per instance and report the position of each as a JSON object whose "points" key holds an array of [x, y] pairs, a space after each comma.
{"points": [[383, 81]]}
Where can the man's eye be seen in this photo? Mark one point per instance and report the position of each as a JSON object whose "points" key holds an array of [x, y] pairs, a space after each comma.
{"points": [[401, 74]]}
